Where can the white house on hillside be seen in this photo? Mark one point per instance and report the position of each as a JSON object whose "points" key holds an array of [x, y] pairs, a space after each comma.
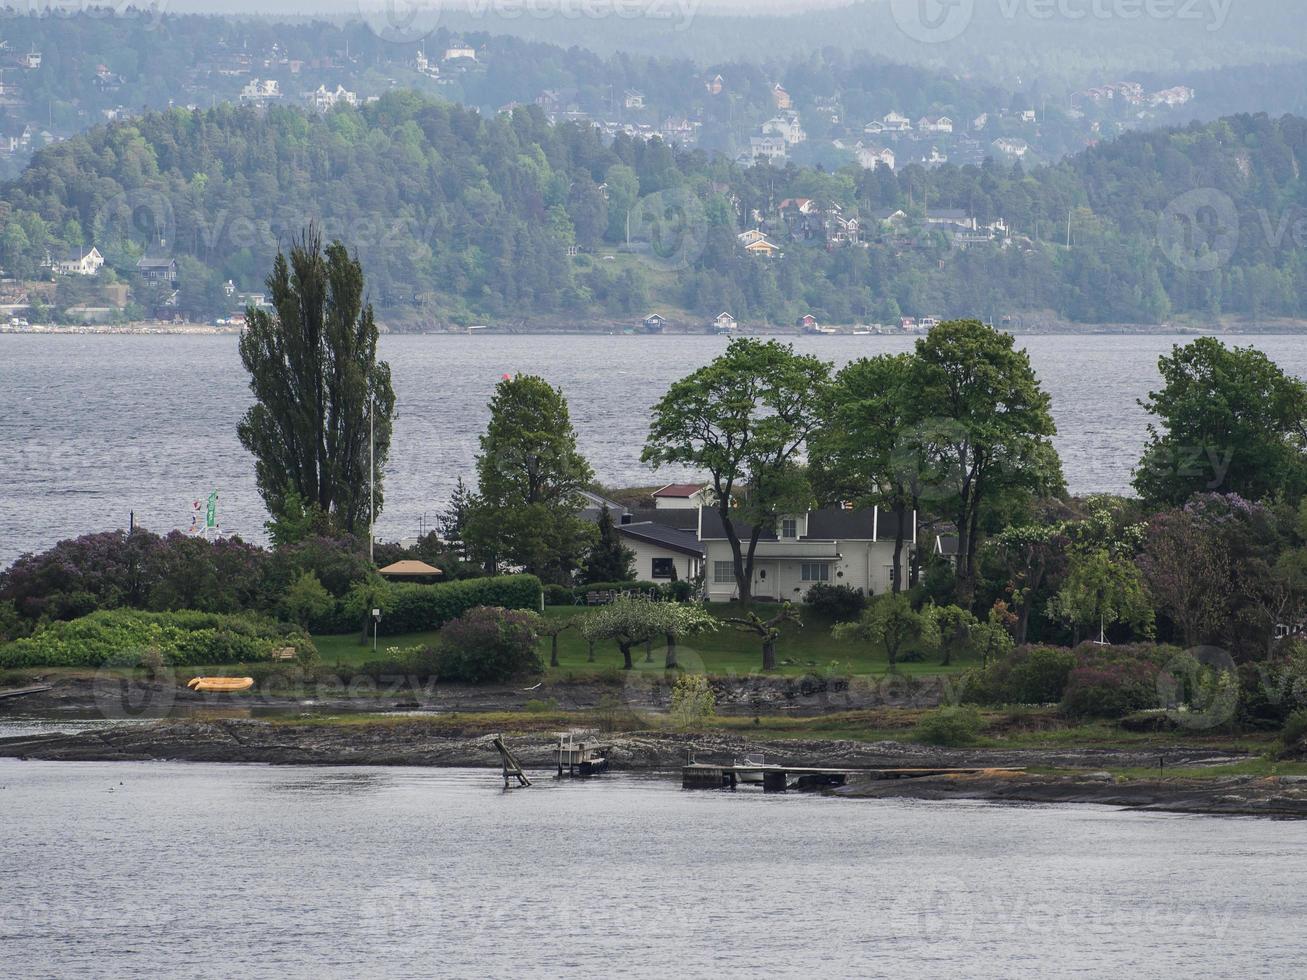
{"points": [[832, 546], [78, 262]]}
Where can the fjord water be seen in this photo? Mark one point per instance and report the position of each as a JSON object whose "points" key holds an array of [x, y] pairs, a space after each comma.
{"points": [[95, 427], [139, 869]]}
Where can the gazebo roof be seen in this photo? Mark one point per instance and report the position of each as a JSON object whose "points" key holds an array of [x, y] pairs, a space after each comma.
{"points": [[410, 568]]}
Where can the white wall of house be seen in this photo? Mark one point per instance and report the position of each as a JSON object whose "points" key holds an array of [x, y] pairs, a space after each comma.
{"points": [[647, 553], [864, 565]]}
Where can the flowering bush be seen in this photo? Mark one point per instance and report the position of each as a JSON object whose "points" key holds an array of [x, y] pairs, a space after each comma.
{"points": [[489, 644]]}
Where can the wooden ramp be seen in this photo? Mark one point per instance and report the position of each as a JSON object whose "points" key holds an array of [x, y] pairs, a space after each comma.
{"points": [[19, 692], [512, 768]]}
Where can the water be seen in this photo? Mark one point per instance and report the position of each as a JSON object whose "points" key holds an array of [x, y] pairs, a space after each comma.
{"points": [[139, 869], [93, 427]]}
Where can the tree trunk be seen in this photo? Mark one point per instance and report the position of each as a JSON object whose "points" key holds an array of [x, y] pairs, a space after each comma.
{"points": [[553, 650], [897, 577], [591, 657], [670, 663], [648, 651], [769, 653], [626, 656]]}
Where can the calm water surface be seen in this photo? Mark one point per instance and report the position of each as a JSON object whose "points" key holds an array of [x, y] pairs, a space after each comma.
{"points": [[139, 869], [93, 427]]}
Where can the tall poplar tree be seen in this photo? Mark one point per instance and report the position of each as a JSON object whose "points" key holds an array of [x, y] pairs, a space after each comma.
{"points": [[314, 373]]}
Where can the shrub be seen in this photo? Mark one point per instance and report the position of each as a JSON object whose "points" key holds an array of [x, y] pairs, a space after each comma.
{"points": [[1110, 691], [949, 726], [125, 637], [693, 701], [413, 608], [559, 595], [1295, 728], [488, 645], [679, 591], [306, 600], [839, 603]]}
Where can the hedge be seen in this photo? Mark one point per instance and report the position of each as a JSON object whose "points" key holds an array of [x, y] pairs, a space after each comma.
{"points": [[414, 608], [123, 636]]}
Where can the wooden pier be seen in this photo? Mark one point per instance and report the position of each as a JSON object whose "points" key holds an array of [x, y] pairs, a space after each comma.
{"points": [[23, 691], [512, 768], [777, 778]]}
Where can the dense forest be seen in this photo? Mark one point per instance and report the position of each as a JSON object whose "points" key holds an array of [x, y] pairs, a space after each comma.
{"points": [[460, 216]]}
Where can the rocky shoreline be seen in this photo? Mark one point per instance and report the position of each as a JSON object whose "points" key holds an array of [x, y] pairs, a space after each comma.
{"points": [[405, 742]]}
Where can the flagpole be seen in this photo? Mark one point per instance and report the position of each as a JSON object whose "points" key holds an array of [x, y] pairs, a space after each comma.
{"points": [[372, 476]]}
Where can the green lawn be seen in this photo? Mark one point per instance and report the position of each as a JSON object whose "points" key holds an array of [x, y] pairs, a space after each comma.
{"points": [[727, 651]]}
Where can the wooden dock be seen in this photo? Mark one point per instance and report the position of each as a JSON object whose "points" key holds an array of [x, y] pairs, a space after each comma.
{"points": [[21, 691], [776, 778]]}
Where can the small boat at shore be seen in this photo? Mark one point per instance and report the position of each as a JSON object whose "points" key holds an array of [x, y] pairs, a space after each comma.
{"points": [[752, 759], [580, 758], [220, 685]]}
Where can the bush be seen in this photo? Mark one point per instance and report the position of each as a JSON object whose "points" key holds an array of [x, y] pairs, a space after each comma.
{"points": [[1111, 691], [306, 600], [489, 645], [1295, 728], [559, 595], [679, 591], [413, 608], [839, 603], [949, 726], [126, 637], [693, 701], [1030, 675]]}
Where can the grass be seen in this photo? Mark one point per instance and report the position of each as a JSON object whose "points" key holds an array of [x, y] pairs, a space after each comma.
{"points": [[727, 652]]}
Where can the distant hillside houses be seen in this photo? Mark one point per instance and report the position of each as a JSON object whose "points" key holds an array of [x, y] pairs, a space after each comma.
{"points": [[259, 91]]}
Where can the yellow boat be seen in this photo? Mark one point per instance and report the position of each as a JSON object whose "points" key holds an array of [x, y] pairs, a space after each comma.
{"points": [[220, 684]]}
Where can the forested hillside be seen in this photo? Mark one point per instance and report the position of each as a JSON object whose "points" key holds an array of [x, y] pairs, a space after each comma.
{"points": [[461, 217]]}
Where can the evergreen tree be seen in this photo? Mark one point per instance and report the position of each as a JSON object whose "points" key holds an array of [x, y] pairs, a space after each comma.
{"points": [[314, 373], [609, 559], [530, 478], [453, 519]]}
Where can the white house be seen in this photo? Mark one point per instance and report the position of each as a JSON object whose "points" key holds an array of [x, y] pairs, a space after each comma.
{"points": [[682, 496], [460, 52], [871, 156], [323, 99], [895, 122], [935, 124], [633, 99], [259, 91], [724, 323], [78, 262], [831, 546], [785, 126], [768, 147], [662, 553], [1013, 148]]}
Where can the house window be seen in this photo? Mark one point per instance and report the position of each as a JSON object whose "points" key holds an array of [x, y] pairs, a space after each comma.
{"points": [[814, 571], [723, 571], [789, 528], [664, 568]]}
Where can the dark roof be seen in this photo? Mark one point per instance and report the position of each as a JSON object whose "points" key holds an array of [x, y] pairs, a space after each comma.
{"points": [[671, 538], [684, 518], [829, 523], [947, 544], [155, 261]]}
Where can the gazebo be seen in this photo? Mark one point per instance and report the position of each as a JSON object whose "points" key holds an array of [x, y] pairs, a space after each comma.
{"points": [[412, 570]]}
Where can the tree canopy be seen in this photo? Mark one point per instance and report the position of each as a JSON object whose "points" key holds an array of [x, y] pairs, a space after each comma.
{"points": [[322, 400]]}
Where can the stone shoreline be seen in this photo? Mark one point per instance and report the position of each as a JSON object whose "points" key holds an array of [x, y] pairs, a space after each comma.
{"points": [[400, 742]]}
